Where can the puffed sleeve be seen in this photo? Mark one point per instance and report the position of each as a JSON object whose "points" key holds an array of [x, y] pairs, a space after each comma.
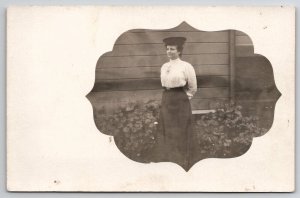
{"points": [[162, 75], [191, 80]]}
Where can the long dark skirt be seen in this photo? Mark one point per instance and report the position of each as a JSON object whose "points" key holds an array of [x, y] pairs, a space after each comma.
{"points": [[175, 127]]}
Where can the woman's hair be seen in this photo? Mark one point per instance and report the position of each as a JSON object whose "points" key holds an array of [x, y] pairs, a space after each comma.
{"points": [[175, 41], [179, 49]]}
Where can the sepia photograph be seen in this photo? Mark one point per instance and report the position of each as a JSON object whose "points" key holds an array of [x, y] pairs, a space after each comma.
{"points": [[182, 95], [150, 99]]}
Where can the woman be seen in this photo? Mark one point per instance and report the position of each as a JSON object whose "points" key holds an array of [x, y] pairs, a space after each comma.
{"points": [[178, 79]]}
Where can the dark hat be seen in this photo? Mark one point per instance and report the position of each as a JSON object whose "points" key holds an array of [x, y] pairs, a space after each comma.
{"points": [[178, 41]]}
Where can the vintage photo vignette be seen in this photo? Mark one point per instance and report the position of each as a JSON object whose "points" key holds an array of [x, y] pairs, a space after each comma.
{"points": [[236, 101], [94, 152]]}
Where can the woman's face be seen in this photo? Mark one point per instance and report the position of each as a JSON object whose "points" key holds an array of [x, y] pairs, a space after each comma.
{"points": [[172, 52]]}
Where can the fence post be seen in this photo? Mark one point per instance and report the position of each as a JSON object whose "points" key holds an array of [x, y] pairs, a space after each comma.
{"points": [[232, 65]]}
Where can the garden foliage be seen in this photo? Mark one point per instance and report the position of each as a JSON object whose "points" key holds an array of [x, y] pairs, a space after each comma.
{"points": [[222, 133]]}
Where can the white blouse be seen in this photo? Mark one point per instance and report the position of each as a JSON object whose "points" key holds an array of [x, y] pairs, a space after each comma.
{"points": [[178, 73]]}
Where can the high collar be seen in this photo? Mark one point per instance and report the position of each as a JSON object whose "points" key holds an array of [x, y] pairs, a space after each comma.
{"points": [[175, 60]]}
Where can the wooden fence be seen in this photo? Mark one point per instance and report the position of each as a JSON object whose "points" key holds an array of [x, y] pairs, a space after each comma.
{"points": [[131, 71]]}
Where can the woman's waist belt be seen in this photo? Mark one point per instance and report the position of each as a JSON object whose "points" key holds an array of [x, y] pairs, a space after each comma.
{"points": [[173, 88]]}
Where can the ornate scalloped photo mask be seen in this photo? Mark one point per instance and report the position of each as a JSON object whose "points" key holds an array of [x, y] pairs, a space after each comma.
{"points": [[234, 103]]}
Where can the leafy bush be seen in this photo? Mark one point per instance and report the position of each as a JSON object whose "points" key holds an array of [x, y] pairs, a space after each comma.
{"points": [[134, 126], [226, 131], [223, 133]]}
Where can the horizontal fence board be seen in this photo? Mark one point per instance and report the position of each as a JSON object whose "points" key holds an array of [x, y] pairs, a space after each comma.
{"points": [[243, 40], [111, 107], [127, 96], [131, 61], [200, 104], [133, 72], [213, 81], [127, 84], [155, 83], [196, 104], [264, 94], [154, 72], [159, 49], [246, 50], [217, 92], [207, 59], [136, 61], [157, 37]]}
